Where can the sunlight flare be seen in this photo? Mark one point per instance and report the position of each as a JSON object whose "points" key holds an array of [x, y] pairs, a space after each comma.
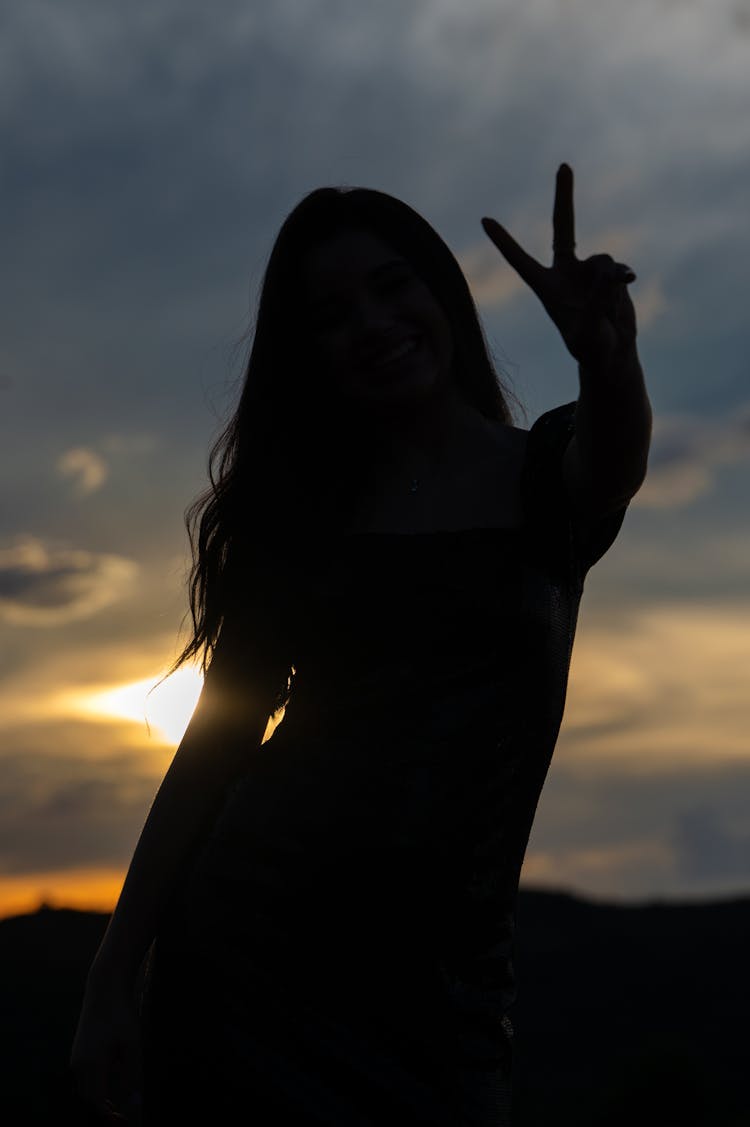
{"points": [[165, 706]]}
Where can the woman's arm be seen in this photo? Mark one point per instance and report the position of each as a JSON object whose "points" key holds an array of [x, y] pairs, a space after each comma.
{"points": [[227, 727], [607, 457], [605, 462], [224, 731]]}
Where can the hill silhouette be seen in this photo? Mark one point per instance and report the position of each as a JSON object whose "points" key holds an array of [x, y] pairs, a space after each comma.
{"points": [[626, 1014]]}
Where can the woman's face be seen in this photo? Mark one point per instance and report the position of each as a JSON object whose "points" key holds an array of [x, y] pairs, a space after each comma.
{"points": [[379, 334]]}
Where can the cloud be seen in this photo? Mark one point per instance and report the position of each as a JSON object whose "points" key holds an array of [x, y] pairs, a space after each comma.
{"points": [[62, 809], [707, 848], [686, 453], [658, 556], [647, 791], [48, 585], [656, 726], [658, 687], [650, 301], [88, 469], [741, 17], [47, 684], [134, 445], [492, 281], [633, 833], [611, 871]]}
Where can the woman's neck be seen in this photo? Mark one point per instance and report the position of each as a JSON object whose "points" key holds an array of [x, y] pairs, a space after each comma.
{"points": [[425, 441]]}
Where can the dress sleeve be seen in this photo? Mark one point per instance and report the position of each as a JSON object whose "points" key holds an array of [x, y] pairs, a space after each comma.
{"points": [[552, 522]]}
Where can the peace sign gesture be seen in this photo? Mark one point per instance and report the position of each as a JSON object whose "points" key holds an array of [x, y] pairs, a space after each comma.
{"points": [[588, 301]]}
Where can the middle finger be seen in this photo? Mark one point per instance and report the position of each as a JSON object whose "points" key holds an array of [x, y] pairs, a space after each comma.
{"points": [[563, 216]]}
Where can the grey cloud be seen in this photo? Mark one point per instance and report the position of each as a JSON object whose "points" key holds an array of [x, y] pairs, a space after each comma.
{"points": [[130, 445], [49, 585], [87, 469], [630, 834], [154, 152], [491, 279], [687, 453], [64, 810], [153, 156], [707, 848], [741, 17], [644, 833]]}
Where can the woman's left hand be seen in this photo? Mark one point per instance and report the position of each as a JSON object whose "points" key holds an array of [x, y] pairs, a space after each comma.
{"points": [[588, 300]]}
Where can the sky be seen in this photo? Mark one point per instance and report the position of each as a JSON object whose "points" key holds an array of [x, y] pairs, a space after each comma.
{"points": [[150, 153]]}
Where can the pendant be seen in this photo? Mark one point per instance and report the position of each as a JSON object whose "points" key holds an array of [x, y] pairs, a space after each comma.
{"points": [[414, 485]]}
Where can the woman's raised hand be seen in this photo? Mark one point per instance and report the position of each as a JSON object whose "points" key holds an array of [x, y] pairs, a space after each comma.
{"points": [[588, 300]]}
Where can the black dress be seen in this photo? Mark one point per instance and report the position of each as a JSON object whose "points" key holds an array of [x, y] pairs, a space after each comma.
{"points": [[341, 953]]}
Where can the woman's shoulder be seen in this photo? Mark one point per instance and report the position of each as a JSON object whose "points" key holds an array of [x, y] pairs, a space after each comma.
{"points": [[556, 421], [525, 450]]}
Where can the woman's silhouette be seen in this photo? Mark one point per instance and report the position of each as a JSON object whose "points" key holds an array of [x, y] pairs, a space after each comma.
{"points": [[330, 913]]}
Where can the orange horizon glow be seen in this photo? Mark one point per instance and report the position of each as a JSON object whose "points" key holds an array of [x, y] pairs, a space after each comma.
{"points": [[86, 890]]}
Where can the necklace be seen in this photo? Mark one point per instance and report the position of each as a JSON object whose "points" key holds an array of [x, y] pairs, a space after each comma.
{"points": [[414, 485]]}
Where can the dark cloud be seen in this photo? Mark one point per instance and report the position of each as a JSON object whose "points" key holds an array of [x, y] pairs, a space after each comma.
{"points": [[151, 158], [644, 832], [150, 161], [63, 810], [50, 585], [709, 849], [688, 451]]}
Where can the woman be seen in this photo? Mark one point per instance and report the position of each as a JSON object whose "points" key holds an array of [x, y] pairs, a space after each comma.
{"points": [[384, 553]]}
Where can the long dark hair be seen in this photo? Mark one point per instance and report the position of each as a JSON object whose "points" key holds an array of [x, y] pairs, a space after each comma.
{"points": [[275, 470]]}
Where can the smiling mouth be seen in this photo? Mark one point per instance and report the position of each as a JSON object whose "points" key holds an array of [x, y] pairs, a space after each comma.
{"points": [[394, 355]]}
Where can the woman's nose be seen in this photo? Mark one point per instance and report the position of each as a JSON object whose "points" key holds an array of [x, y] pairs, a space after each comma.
{"points": [[370, 316]]}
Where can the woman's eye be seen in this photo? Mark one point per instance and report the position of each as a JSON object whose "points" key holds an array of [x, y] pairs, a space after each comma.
{"points": [[394, 281]]}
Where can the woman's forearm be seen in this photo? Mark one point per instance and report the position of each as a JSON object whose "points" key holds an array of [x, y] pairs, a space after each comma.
{"points": [[606, 462]]}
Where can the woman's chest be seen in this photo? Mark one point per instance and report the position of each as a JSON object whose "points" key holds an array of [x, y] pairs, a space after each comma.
{"points": [[483, 492], [417, 602]]}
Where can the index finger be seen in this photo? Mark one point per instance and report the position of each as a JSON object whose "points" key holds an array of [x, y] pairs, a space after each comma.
{"points": [[563, 218], [531, 271]]}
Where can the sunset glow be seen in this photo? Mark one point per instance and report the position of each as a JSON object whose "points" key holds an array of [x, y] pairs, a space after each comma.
{"points": [[164, 706], [130, 323], [88, 890]]}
